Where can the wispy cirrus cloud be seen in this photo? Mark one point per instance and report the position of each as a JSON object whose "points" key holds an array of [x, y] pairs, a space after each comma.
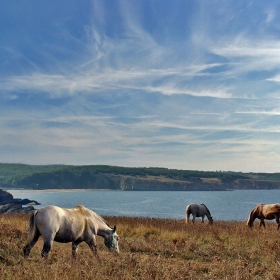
{"points": [[180, 85], [250, 55], [111, 79], [269, 113]]}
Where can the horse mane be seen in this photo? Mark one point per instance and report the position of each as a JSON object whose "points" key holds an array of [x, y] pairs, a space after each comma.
{"points": [[88, 212], [206, 208], [100, 218]]}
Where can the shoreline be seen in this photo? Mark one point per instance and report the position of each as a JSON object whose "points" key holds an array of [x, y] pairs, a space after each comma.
{"points": [[23, 191]]}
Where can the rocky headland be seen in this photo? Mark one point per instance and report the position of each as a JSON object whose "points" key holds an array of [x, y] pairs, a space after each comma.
{"points": [[9, 204]]}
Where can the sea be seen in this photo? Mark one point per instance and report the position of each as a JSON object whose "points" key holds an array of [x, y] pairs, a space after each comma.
{"points": [[224, 205]]}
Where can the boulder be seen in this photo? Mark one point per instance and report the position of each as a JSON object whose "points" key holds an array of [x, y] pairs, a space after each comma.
{"points": [[9, 204], [15, 208]]}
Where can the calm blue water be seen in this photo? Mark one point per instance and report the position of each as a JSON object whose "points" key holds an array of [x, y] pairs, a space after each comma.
{"points": [[227, 205]]}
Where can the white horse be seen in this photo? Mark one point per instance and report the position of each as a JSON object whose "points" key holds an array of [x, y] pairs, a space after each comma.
{"points": [[69, 225], [198, 210]]}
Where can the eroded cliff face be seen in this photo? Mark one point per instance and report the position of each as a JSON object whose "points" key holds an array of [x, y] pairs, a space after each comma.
{"points": [[194, 184], [150, 183], [163, 184], [116, 182], [254, 184], [140, 183]]}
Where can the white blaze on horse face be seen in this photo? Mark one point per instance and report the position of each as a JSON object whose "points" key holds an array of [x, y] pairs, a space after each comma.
{"points": [[111, 242], [116, 243]]}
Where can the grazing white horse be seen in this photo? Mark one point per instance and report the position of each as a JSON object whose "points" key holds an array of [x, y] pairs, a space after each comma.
{"points": [[69, 225], [198, 210]]}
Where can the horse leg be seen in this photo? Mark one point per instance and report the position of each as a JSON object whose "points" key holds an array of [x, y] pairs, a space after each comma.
{"points": [[48, 242], [202, 219], [277, 221], [194, 216], [75, 245], [262, 223], [27, 248], [46, 249], [92, 245]]}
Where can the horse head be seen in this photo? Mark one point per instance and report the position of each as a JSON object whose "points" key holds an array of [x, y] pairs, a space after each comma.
{"points": [[112, 241], [252, 217], [211, 220]]}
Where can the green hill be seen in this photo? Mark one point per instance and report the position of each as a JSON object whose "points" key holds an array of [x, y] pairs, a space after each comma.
{"points": [[129, 178]]}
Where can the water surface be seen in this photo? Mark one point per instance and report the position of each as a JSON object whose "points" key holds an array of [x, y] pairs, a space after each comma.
{"points": [[224, 205]]}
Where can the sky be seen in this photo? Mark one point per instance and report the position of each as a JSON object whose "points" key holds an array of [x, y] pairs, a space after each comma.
{"points": [[183, 84]]}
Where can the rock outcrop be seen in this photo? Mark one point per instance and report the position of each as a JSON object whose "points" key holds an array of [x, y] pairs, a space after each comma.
{"points": [[9, 204], [15, 208]]}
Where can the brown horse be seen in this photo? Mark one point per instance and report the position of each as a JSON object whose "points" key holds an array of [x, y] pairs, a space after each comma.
{"points": [[264, 212]]}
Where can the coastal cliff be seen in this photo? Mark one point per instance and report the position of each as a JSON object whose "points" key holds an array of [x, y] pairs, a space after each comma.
{"points": [[129, 179], [138, 183]]}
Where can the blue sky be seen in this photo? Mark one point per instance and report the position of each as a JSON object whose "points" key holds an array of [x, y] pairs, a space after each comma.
{"points": [[159, 83]]}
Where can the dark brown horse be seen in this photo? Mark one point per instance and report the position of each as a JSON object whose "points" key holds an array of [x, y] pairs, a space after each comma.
{"points": [[264, 212]]}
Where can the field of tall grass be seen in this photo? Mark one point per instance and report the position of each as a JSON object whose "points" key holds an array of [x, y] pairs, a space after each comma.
{"points": [[149, 249]]}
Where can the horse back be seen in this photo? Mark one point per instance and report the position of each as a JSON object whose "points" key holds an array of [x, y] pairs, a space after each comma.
{"points": [[271, 210], [65, 225], [190, 208]]}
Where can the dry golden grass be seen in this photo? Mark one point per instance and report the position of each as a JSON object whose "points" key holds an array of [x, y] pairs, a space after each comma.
{"points": [[149, 249]]}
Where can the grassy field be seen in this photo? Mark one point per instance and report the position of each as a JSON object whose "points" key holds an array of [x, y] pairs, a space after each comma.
{"points": [[149, 249]]}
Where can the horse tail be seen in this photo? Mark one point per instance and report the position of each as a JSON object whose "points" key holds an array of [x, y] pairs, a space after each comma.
{"points": [[188, 212], [33, 230]]}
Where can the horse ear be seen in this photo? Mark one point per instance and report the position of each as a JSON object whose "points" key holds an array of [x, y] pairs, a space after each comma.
{"points": [[114, 229]]}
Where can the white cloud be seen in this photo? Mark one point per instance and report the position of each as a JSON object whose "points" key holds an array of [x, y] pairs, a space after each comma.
{"points": [[173, 89], [270, 15], [269, 113], [250, 55], [111, 79], [275, 79], [137, 98]]}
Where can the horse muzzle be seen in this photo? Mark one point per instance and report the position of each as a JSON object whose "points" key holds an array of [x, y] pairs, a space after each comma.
{"points": [[115, 250]]}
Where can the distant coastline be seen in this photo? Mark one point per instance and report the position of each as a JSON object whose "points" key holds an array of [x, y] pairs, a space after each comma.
{"points": [[22, 191], [53, 178]]}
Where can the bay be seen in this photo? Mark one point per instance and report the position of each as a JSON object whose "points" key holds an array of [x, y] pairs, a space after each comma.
{"points": [[224, 205]]}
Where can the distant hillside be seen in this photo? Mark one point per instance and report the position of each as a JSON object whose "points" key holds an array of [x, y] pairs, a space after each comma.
{"points": [[127, 178]]}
